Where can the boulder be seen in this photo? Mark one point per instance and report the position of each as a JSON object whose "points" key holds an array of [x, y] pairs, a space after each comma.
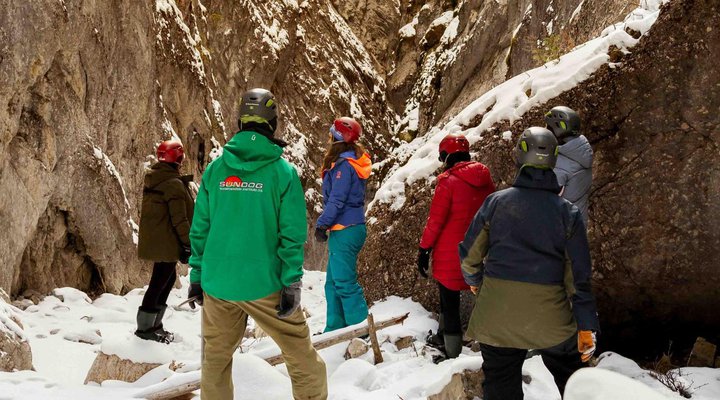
{"points": [[356, 348], [703, 354], [15, 352], [462, 386]]}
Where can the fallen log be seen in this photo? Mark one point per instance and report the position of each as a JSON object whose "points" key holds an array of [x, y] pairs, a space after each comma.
{"points": [[330, 339], [323, 341]]}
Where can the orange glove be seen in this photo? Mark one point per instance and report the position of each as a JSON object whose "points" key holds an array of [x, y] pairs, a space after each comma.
{"points": [[586, 344]]}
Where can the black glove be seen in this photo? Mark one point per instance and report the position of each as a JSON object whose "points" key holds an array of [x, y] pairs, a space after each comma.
{"points": [[423, 261], [321, 234], [289, 300], [196, 293], [185, 254]]}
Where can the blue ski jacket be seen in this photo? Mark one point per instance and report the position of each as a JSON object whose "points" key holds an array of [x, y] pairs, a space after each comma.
{"points": [[343, 191]]}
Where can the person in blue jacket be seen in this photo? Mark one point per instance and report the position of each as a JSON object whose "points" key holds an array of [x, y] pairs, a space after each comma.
{"points": [[345, 171], [527, 257]]}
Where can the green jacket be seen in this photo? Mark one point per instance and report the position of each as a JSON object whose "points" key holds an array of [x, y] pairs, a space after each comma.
{"points": [[250, 224], [166, 215]]}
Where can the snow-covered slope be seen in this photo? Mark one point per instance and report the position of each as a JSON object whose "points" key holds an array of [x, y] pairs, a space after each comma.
{"points": [[66, 330]]}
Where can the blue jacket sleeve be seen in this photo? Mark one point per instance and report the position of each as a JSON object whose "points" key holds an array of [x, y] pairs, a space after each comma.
{"points": [[583, 301], [341, 178]]}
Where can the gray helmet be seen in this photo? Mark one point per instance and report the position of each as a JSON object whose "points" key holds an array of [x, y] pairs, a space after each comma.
{"points": [[258, 105], [563, 122], [537, 147]]}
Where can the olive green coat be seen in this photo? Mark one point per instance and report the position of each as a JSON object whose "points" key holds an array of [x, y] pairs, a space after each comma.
{"points": [[166, 216]]}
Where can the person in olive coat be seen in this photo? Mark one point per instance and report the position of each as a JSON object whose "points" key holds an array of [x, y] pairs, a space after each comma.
{"points": [[165, 219]]}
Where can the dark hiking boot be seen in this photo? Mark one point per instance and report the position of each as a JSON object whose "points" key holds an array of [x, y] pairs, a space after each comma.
{"points": [[453, 345], [146, 327], [435, 340], [158, 325]]}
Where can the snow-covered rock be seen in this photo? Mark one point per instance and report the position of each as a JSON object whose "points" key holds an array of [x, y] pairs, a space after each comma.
{"points": [[356, 348], [466, 385], [602, 384], [15, 352]]}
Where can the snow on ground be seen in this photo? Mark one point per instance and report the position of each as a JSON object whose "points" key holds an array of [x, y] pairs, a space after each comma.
{"points": [[511, 99], [67, 329]]}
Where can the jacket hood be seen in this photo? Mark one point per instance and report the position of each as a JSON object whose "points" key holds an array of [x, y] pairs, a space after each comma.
{"points": [[249, 151], [159, 173], [471, 172], [535, 178], [578, 150], [362, 165]]}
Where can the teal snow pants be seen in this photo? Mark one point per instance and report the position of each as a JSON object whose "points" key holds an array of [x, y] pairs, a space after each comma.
{"points": [[345, 299]]}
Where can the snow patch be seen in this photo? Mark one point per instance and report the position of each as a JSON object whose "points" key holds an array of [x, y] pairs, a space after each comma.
{"points": [[577, 11], [273, 35], [451, 31], [110, 167], [443, 20], [408, 30], [217, 149], [138, 350]]}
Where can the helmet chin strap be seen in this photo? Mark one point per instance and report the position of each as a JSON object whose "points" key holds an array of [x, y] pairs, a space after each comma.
{"points": [[444, 160]]}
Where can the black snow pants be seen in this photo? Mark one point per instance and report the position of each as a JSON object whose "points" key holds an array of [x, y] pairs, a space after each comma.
{"points": [[450, 311], [161, 282], [503, 368]]}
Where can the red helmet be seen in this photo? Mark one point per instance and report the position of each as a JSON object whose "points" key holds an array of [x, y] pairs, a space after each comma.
{"points": [[171, 151], [346, 130], [454, 143]]}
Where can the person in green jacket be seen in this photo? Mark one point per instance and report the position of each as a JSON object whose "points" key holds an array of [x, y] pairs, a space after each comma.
{"points": [[247, 242], [165, 218]]}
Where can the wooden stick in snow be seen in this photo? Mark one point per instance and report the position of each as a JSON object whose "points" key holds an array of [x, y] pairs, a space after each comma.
{"points": [[374, 339], [344, 337]]}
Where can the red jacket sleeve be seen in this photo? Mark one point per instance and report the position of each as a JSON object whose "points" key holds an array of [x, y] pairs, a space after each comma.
{"points": [[439, 210]]}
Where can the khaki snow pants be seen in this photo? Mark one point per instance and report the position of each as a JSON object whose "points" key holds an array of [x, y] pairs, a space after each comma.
{"points": [[224, 325]]}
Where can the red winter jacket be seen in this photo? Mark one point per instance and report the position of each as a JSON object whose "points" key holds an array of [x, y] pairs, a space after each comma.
{"points": [[459, 193]]}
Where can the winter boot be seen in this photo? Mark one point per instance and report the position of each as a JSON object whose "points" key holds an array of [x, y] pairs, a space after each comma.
{"points": [[146, 327], [451, 349], [453, 345], [159, 326], [437, 340]]}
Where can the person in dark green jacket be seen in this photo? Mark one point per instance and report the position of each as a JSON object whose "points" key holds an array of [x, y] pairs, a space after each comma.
{"points": [[167, 212], [247, 241]]}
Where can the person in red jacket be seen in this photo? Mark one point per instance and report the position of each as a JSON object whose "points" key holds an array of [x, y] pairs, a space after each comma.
{"points": [[459, 193]]}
